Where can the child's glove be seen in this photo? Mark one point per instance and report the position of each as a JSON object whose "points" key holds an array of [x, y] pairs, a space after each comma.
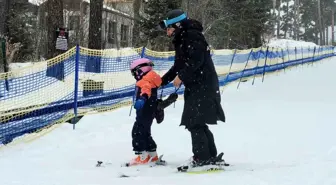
{"points": [[159, 113], [140, 103], [165, 103]]}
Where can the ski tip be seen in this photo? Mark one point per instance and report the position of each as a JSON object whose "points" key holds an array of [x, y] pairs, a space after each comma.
{"points": [[99, 163], [182, 168], [126, 165], [123, 176]]}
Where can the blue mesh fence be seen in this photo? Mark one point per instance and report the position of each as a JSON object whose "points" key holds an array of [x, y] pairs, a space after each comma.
{"points": [[83, 81]]}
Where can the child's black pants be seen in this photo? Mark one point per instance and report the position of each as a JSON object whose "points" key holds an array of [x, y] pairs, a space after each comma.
{"points": [[141, 133]]}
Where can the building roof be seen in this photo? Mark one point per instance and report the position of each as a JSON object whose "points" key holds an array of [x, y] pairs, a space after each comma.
{"points": [[115, 11]]}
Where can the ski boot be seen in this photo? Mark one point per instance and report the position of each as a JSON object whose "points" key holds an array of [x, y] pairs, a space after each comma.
{"points": [[213, 164], [140, 159]]}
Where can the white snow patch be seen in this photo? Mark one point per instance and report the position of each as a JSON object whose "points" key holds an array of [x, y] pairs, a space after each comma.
{"points": [[18, 65], [36, 2], [287, 43]]}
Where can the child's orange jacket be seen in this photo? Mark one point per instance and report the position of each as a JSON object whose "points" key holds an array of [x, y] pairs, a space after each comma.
{"points": [[148, 82]]}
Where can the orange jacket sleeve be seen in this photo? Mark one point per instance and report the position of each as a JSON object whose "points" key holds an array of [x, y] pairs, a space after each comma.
{"points": [[148, 82]]}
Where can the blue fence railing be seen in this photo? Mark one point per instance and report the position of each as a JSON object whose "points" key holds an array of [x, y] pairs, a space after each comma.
{"points": [[83, 81]]}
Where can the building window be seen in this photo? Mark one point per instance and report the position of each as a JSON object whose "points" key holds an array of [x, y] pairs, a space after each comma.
{"points": [[112, 29], [124, 35]]}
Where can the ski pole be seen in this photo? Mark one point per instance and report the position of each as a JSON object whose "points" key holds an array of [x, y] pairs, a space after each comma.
{"points": [[176, 89], [161, 92], [136, 91]]}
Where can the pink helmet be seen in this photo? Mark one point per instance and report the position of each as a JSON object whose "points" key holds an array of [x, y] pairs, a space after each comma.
{"points": [[141, 66]]}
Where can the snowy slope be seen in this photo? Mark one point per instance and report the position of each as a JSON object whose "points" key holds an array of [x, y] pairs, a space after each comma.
{"points": [[288, 43], [280, 132]]}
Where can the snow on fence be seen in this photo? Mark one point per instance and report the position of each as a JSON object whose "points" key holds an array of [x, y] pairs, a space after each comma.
{"points": [[83, 81]]}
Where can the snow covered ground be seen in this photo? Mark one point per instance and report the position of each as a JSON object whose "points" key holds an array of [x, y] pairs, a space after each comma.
{"points": [[280, 132], [288, 43]]}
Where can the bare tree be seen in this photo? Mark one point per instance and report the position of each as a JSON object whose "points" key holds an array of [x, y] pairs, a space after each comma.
{"points": [[332, 25], [4, 30], [11, 50], [77, 24], [95, 25], [54, 21], [136, 27], [199, 10], [278, 19], [274, 15], [40, 29], [296, 19], [320, 21], [203, 8], [287, 13]]}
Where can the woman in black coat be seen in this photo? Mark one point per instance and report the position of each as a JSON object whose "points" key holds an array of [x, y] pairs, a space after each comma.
{"points": [[194, 68]]}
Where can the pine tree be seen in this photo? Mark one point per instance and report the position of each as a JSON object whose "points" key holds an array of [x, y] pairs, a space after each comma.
{"points": [[327, 6], [287, 19], [261, 20], [156, 11], [309, 20], [250, 21], [243, 23], [21, 26]]}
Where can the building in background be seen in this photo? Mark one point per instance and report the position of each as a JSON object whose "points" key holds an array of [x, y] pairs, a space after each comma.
{"points": [[116, 28]]}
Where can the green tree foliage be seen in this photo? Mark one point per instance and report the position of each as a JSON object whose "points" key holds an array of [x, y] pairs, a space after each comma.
{"points": [[309, 20], [287, 19], [21, 25], [156, 11], [243, 25]]}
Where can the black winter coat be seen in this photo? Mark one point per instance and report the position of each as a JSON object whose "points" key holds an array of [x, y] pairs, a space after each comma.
{"points": [[194, 66]]}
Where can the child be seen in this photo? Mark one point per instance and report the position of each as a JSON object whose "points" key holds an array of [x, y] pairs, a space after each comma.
{"points": [[146, 106]]}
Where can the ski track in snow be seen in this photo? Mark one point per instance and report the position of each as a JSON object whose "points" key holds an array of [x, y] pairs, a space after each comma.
{"points": [[280, 132]]}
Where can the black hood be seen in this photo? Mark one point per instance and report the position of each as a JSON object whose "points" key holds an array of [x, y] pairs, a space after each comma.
{"points": [[192, 24], [187, 25]]}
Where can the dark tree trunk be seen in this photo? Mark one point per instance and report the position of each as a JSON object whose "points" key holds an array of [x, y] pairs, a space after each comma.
{"points": [[320, 21], [257, 38], [5, 31], [136, 27], [332, 26], [326, 36], [5, 17], [323, 31], [287, 13], [278, 20], [54, 21], [96, 19]]}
